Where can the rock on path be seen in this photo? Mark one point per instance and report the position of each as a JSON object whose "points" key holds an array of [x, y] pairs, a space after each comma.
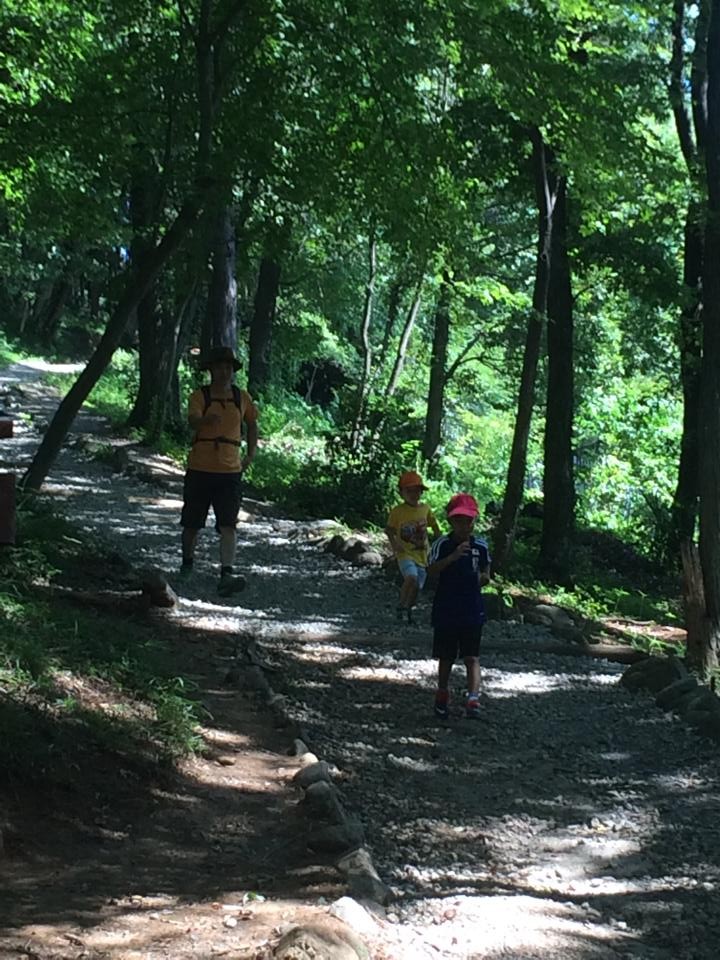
{"points": [[574, 820]]}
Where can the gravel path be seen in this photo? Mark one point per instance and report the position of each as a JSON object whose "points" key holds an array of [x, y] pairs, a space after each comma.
{"points": [[574, 820]]}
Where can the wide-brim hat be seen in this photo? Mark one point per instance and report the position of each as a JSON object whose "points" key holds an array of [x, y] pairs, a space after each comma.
{"points": [[220, 355]]}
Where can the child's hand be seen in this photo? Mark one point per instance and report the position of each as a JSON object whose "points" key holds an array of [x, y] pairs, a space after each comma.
{"points": [[461, 550], [484, 579]]}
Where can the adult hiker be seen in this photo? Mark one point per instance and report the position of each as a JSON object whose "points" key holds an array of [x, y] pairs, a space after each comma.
{"points": [[216, 414]]}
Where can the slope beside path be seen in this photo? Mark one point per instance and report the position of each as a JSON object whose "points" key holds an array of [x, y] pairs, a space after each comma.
{"points": [[574, 820]]}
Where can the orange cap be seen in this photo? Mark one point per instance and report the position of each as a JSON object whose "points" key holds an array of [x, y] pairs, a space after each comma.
{"points": [[411, 479]]}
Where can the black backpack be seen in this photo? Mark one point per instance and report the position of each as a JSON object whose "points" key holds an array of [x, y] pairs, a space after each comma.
{"points": [[236, 392], [207, 400]]}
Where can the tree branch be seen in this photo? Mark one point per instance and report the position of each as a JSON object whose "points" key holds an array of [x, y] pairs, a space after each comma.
{"points": [[675, 90]]}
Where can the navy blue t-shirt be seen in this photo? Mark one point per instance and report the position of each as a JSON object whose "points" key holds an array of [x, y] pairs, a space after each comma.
{"points": [[458, 601]]}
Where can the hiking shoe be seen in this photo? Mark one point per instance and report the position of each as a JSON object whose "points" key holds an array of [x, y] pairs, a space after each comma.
{"points": [[472, 708], [230, 584], [185, 570]]}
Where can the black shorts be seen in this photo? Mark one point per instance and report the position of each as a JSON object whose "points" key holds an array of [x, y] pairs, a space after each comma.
{"points": [[453, 643], [201, 490]]}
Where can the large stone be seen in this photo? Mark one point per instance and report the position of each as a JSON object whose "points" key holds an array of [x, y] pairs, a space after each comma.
{"points": [[670, 695], [653, 674], [353, 548], [321, 941], [369, 558], [313, 773], [703, 699], [156, 590], [362, 877], [323, 803], [334, 544], [338, 838], [706, 722], [354, 915]]}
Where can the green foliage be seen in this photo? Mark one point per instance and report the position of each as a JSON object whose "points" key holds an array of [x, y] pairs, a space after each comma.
{"points": [[114, 392], [8, 351], [630, 432], [293, 441]]}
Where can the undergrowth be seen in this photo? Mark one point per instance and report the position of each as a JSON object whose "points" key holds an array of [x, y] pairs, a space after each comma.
{"points": [[76, 683]]}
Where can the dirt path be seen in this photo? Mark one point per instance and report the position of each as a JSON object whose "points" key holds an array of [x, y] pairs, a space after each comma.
{"points": [[574, 821]]}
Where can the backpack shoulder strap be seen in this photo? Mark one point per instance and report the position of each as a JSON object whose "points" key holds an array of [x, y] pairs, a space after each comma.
{"points": [[207, 400], [237, 397]]}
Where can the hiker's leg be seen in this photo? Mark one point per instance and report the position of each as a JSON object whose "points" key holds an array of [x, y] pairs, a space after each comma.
{"points": [[196, 503], [226, 504], [408, 592], [444, 670], [409, 588], [228, 546], [189, 542], [470, 651], [472, 666]]}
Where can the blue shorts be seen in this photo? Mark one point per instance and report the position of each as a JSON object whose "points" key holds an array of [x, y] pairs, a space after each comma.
{"points": [[408, 568]]}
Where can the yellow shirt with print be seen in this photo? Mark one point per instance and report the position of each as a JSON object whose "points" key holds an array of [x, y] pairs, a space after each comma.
{"points": [[208, 453], [412, 524]]}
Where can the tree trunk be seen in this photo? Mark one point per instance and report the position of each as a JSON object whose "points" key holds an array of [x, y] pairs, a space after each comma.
{"points": [[359, 423], [691, 126], [685, 501], [710, 382], [265, 303], [559, 484], [438, 362], [394, 297], [143, 191], [546, 191], [694, 607], [401, 354], [186, 309], [222, 291], [50, 320]]}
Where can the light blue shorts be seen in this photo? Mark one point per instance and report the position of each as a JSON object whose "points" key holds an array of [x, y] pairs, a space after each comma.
{"points": [[408, 568]]}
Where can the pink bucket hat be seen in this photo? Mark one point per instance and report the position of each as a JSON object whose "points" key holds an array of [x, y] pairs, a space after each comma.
{"points": [[462, 505]]}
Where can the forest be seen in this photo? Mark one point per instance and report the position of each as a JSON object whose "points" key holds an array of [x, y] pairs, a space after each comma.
{"points": [[476, 239]]}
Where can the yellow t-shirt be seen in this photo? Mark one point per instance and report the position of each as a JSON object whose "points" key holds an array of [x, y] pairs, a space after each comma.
{"points": [[217, 457], [411, 524]]}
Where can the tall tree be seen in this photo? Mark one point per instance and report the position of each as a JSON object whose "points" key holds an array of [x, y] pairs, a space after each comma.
{"points": [[691, 126], [554, 562], [266, 294], [438, 375], [710, 398], [220, 326], [548, 184]]}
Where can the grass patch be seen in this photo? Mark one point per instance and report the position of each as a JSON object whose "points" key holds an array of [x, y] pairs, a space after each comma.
{"points": [[76, 684], [9, 353]]}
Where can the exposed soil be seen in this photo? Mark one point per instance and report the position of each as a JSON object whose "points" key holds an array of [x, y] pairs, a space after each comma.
{"points": [[573, 821]]}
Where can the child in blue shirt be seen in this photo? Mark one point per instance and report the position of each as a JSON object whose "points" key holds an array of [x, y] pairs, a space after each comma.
{"points": [[460, 563]]}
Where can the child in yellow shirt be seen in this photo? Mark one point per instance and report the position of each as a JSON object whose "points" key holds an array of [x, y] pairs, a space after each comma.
{"points": [[407, 531]]}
